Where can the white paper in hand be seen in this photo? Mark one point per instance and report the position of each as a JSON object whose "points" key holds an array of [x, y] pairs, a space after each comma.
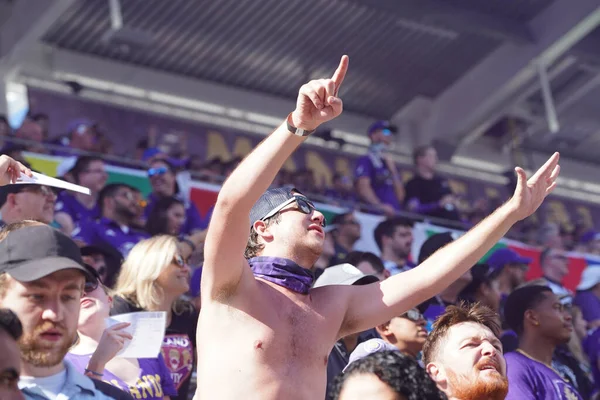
{"points": [[147, 330], [41, 179]]}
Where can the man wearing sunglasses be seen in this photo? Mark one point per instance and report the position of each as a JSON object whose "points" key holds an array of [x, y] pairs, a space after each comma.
{"points": [[407, 332], [119, 209], [377, 179], [260, 311]]}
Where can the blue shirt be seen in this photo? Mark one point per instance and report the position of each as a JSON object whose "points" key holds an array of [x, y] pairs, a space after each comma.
{"points": [[193, 221], [382, 182], [106, 231], [76, 387], [67, 203]]}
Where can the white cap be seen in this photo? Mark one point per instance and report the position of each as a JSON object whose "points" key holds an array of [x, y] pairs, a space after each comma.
{"points": [[344, 274], [589, 278]]}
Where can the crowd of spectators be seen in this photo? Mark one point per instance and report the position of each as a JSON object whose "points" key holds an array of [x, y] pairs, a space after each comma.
{"points": [[145, 254]]}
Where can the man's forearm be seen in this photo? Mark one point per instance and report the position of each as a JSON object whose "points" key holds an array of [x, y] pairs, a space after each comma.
{"points": [[256, 172], [448, 264], [399, 189]]}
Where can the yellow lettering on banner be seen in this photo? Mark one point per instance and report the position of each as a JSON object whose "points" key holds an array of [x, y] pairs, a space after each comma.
{"points": [[144, 387], [557, 213], [216, 146], [242, 147], [321, 171], [290, 165], [585, 216], [458, 187], [342, 166], [492, 192]]}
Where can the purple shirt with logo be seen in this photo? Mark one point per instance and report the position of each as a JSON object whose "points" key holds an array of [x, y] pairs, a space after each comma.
{"points": [[373, 167], [193, 220], [67, 203], [589, 304], [106, 231], [529, 379], [154, 381]]}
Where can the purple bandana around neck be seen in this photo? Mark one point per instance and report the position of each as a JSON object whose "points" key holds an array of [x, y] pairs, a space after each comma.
{"points": [[282, 272]]}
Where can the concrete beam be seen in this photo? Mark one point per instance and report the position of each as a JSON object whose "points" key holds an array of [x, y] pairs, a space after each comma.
{"points": [[29, 20], [47, 62], [456, 18], [469, 107]]}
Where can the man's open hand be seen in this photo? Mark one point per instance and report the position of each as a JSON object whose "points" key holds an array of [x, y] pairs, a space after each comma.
{"points": [[318, 100], [529, 194]]}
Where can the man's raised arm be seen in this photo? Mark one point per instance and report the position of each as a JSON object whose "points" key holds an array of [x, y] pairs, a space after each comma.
{"points": [[373, 304], [229, 229]]}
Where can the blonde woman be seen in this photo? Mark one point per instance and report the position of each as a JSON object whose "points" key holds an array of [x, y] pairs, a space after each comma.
{"points": [[153, 278]]}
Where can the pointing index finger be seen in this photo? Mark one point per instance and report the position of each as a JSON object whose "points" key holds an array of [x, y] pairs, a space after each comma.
{"points": [[340, 73]]}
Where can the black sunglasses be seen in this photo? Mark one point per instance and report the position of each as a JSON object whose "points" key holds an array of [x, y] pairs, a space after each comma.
{"points": [[90, 286], [303, 205], [413, 315], [92, 281]]}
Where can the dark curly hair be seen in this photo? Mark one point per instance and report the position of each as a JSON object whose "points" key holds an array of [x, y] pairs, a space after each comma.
{"points": [[400, 372]]}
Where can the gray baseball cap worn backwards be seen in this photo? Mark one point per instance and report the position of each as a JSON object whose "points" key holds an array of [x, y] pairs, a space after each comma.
{"points": [[33, 252], [272, 201]]}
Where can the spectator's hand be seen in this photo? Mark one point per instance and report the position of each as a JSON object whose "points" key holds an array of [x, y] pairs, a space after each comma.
{"points": [[448, 200], [111, 342], [388, 210], [529, 194], [10, 170], [317, 100]]}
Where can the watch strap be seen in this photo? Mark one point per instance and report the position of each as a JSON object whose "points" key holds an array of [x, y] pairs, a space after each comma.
{"points": [[296, 131]]}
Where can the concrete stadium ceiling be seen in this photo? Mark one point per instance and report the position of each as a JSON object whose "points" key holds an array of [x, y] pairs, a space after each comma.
{"points": [[454, 71]]}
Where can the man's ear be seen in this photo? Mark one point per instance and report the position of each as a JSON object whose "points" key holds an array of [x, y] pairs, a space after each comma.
{"points": [[11, 199], [262, 230], [531, 317], [437, 374], [383, 329], [386, 273]]}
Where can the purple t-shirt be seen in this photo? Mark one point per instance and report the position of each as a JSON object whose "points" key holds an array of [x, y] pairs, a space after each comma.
{"points": [[373, 167], [193, 220], [67, 203], [589, 304], [532, 380], [106, 231], [591, 346], [154, 381]]}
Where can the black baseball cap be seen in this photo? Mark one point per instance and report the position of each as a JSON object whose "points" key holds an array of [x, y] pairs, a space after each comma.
{"points": [[33, 252], [270, 200]]}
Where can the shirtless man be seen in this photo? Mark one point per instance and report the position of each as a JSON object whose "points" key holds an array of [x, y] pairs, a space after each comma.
{"points": [[261, 333]]}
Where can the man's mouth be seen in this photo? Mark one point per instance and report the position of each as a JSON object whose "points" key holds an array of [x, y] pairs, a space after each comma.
{"points": [[51, 335], [317, 228], [85, 303]]}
